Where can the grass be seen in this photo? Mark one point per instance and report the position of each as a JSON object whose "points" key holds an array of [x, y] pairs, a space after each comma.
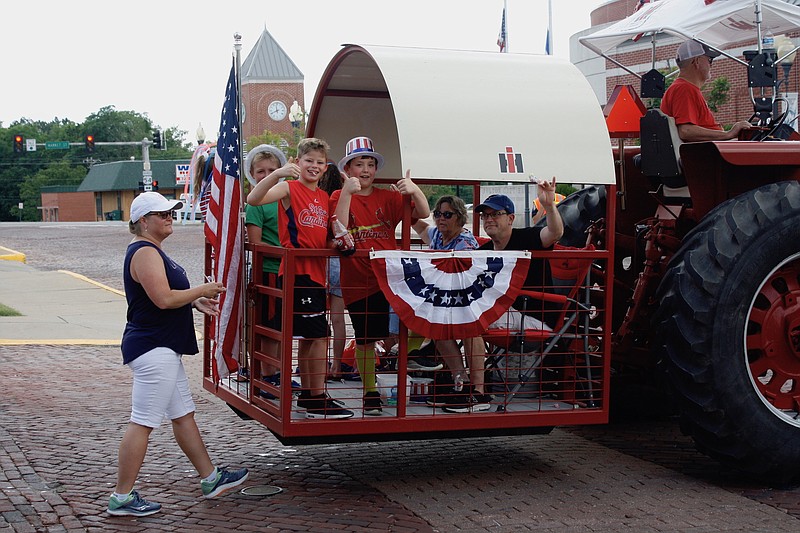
{"points": [[8, 311]]}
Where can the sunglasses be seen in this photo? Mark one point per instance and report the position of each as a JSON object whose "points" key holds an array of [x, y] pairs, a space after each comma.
{"points": [[492, 216], [446, 214], [163, 215]]}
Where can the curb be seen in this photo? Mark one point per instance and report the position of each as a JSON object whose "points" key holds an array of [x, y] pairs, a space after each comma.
{"points": [[8, 254]]}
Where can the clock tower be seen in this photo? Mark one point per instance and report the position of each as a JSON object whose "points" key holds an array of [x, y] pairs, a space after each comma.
{"points": [[271, 83]]}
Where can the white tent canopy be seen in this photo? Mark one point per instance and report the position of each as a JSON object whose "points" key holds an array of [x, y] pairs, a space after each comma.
{"points": [[718, 23], [464, 115]]}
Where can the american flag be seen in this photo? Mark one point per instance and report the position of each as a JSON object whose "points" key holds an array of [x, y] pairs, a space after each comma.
{"points": [[224, 231], [501, 38]]}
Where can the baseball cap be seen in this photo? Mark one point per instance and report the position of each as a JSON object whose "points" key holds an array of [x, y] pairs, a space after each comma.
{"points": [[498, 202], [691, 49], [151, 202]]}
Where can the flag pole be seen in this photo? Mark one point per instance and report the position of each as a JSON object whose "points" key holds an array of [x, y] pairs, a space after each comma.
{"points": [[550, 27], [505, 12], [237, 46]]}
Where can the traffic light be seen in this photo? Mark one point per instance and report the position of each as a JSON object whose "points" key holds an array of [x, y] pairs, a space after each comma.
{"points": [[157, 142], [19, 142], [155, 185], [89, 140]]}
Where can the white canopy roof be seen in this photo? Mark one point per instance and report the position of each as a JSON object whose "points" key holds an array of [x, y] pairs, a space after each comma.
{"points": [[716, 22], [462, 115]]}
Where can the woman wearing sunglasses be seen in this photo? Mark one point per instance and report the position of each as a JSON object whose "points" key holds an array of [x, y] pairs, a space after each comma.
{"points": [[449, 233], [159, 331]]}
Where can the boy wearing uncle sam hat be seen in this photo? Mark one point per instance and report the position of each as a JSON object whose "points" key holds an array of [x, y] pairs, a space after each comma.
{"points": [[303, 223], [371, 216]]}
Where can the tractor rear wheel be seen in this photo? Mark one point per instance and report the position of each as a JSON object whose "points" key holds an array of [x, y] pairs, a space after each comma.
{"points": [[578, 211], [728, 332]]}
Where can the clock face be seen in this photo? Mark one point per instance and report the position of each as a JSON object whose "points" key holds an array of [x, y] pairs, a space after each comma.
{"points": [[276, 110]]}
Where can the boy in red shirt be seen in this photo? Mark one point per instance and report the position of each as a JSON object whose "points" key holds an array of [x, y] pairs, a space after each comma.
{"points": [[303, 223], [371, 215]]}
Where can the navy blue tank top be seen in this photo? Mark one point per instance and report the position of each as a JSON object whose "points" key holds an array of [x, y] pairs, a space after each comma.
{"points": [[148, 326]]}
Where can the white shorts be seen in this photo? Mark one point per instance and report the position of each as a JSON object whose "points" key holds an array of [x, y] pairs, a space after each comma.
{"points": [[160, 388]]}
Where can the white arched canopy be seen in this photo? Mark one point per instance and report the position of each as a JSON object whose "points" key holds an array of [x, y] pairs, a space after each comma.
{"points": [[461, 115]]}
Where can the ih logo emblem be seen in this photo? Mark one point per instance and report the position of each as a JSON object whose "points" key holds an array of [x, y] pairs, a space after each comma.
{"points": [[510, 163]]}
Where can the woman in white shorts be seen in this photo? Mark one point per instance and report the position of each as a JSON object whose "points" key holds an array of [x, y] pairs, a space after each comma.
{"points": [[159, 330]]}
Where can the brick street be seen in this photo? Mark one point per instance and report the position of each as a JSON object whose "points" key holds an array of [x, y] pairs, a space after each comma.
{"points": [[63, 410]]}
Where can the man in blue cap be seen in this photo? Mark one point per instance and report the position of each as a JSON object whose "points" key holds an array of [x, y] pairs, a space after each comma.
{"points": [[497, 215]]}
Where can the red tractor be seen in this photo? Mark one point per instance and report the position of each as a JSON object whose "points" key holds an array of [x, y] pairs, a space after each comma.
{"points": [[707, 277]]}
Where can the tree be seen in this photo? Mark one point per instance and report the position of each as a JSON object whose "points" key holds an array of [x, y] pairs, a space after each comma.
{"points": [[22, 175]]}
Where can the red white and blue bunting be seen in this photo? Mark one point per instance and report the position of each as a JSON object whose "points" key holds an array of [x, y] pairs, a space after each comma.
{"points": [[450, 295]]}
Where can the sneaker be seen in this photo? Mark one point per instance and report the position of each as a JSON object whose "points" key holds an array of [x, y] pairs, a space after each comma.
{"points": [[481, 402], [349, 373], [322, 407], [456, 403], [423, 364], [439, 398], [266, 395], [226, 480], [134, 505], [275, 379], [372, 404], [304, 400], [464, 403]]}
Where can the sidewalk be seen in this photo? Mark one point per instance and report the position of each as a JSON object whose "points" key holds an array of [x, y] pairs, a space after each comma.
{"points": [[58, 308]]}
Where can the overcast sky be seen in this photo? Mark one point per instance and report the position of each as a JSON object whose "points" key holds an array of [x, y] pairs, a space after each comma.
{"points": [[170, 59]]}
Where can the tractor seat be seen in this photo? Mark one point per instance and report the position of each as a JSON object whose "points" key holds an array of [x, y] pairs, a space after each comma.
{"points": [[660, 154]]}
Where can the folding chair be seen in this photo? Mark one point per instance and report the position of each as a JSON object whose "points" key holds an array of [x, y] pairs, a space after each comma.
{"points": [[570, 292]]}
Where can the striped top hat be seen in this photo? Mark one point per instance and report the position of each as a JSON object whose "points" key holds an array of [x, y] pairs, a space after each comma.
{"points": [[359, 147]]}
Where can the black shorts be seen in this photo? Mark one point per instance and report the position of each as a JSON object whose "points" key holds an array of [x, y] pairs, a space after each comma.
{"points": [[310, 305], [370, 318]]}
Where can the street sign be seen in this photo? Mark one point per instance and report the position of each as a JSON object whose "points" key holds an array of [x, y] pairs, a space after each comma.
{"points": [[30, 145], [56, 145]]}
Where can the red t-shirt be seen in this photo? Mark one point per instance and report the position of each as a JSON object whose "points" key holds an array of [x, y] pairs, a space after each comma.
{"points": [[373, 220], [684, 102], [305, 225]]}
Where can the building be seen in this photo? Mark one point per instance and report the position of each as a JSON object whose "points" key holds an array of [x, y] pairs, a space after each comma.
{"points": [[115, 185], [603, 75], [271, 85]]}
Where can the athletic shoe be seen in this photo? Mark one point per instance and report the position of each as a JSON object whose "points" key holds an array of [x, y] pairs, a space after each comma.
{"points": [[322, 407], [464, 403], [225, 481], [349, 373], [423, 364], [133, 505], [275, 379], [372, 404], [440, 399]]}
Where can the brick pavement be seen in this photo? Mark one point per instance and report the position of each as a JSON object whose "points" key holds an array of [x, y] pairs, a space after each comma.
{"points": [[59, 441], [63, 410]]}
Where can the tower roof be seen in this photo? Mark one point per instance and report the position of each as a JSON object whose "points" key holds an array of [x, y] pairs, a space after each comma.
{"points": [[268, 61]]}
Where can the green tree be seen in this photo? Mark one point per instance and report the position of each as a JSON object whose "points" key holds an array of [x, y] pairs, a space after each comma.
{"points": [[22, 175]]}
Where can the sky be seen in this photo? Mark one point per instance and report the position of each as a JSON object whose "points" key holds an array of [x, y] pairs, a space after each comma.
{"points": [[170, 59]]}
